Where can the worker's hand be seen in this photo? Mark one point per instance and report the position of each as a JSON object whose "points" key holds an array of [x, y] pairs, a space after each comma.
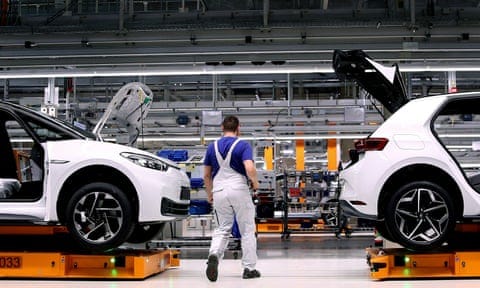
{"points": [[254, 186], [210, 198]]}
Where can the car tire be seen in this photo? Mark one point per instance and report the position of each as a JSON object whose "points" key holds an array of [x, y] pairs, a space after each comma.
{"points": [[420, 216], [144, 233], [99, 217]]}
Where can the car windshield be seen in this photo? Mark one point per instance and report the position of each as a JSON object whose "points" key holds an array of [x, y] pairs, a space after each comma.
{"points": [[50, 128], [84, 132]]}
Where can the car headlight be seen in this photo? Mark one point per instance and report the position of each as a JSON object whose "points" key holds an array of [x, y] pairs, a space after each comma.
{"points": [[146, 161]]}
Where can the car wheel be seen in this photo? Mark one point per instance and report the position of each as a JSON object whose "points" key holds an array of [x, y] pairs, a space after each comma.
{"points": [[144, 233], [420, 216], [99, 216]]}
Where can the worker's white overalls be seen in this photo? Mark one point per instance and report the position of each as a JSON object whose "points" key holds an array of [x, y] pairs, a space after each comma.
{"points": [[231, 198]]}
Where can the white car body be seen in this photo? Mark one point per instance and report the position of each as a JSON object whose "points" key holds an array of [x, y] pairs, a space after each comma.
{"points": [[414, 145], [153, 190], [417, 175], [62, 163], [411, 141]]}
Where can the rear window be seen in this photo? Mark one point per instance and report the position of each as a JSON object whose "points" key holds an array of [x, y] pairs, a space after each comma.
{"points": [[458, 129]]}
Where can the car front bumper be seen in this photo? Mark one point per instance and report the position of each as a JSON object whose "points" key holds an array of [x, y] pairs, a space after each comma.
{"points": [[154, 188], [174, 209]]}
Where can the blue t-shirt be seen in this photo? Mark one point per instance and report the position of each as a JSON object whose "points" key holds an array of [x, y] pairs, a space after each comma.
{"points": [[242, 152]]}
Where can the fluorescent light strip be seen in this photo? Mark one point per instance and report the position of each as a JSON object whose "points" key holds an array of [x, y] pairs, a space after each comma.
{"points": [[470, 165], [450, 147], [167, 71], [211, 138], [239, 69], [252, 138], [459, 135]]}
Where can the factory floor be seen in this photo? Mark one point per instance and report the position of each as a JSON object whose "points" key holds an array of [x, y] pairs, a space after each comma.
{"points": [[303, 260]]}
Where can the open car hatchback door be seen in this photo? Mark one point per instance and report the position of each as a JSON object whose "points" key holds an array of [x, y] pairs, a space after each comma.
{"points": [[384, 83]]}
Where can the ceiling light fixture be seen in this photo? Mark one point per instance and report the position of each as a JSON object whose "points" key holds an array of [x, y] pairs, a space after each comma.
{"points": [[239, 69], [251, 138]]}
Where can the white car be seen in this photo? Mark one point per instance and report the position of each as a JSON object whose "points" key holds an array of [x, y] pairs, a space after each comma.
{"points": [[53, 173], [418, 174]]}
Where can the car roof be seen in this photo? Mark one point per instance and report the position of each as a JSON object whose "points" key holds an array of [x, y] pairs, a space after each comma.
{"points": [[384, 83], [8, 104], [468, 105]]}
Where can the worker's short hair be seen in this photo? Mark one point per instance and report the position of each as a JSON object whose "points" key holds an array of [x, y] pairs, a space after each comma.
{"points": [[230, 124]]}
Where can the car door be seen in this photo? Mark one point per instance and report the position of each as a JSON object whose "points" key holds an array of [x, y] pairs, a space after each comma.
{"points": [[22, 170]]}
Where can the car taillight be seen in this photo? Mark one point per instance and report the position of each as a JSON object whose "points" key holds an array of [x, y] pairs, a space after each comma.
{"points": [[370, 144]]}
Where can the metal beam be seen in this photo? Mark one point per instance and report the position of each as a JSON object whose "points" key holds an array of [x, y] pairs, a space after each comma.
{"points": [[266, 12]]}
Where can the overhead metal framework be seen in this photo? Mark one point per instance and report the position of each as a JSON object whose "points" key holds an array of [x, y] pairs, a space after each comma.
{"points": [[267, 61], [51, 34]]}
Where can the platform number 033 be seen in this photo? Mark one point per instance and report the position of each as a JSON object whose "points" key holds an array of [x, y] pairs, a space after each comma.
{"points": [[10, 262]]}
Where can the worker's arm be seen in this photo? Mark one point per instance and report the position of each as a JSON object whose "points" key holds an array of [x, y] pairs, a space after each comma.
{"points": [[251, 173], [207, 179]]}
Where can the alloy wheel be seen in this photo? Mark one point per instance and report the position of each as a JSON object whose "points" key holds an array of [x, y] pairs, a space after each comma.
{"points": [[422, 215], [98, 217]]}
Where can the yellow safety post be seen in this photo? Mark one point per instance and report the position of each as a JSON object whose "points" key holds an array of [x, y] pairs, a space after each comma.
{"points": [[268, 158], [300, 154], [332, 155]]}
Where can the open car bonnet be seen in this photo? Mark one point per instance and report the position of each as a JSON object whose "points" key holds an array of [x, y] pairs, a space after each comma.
{"points": [[384, 83], [128, 108]]}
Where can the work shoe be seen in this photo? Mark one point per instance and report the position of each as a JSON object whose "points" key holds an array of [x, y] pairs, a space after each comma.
{"points": [[249, 274], [212, 267]]}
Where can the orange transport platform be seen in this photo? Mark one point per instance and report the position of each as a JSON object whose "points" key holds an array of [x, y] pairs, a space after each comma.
{"points": [[460, 260], [399, 263], [49, 263], [119, 264]]}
